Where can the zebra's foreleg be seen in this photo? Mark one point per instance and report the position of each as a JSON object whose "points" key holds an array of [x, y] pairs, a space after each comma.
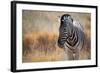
{"points": [[76, 54], [72, 54]]}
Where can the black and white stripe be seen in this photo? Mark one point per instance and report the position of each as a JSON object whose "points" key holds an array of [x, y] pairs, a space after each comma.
{"points": [[71, 36]]}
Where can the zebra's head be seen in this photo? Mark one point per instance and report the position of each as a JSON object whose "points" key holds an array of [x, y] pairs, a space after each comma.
{"points": [[66, 18], [66, 27]]}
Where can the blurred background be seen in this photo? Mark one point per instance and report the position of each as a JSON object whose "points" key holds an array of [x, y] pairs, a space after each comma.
{"points": [[40, 35]]}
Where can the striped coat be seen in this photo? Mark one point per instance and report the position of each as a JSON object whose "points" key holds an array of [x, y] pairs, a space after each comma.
{"points": [[71, 37]]}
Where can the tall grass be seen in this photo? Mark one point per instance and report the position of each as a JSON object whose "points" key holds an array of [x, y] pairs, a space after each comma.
{"points": [[42, 46]]}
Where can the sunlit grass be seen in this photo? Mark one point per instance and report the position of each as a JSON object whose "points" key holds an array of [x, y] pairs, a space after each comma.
{"points": [[38, 47], [42, 46]]}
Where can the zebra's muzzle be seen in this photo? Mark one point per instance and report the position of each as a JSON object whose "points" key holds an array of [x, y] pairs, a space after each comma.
{"points": [[61, 43]]}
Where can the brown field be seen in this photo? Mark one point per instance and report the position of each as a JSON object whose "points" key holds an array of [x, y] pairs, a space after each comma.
{"points": [[41, 47], [40, 34]]}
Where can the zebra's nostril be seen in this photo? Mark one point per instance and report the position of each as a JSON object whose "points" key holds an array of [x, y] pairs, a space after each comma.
{"points": [[60, 43]]}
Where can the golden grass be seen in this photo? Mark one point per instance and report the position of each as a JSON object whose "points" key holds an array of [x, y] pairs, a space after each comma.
{"points": [[42, 46], [39, 47]]}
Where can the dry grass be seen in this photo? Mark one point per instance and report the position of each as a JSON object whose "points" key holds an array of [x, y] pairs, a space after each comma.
{"points": [[40, 46]]}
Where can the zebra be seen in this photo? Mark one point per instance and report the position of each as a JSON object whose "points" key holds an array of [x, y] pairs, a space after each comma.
{"points": [[71, 37]]}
